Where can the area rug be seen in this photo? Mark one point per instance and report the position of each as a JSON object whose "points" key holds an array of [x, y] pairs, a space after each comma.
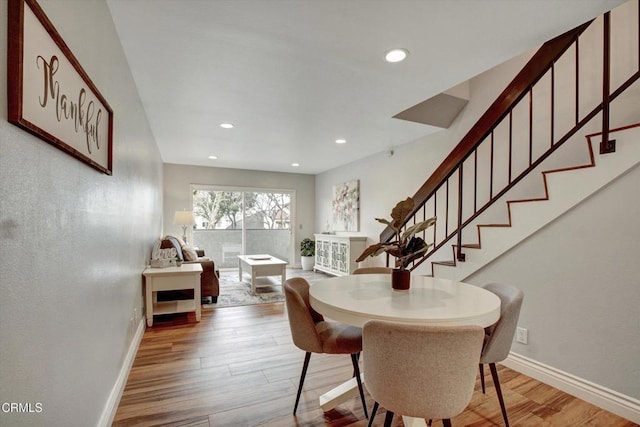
{"points": [[269, 289]]}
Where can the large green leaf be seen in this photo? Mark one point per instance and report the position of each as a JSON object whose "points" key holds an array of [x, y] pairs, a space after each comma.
{"points": [[419, 227], [377, 249], [388, 223], [414, 245], [406, 260], [400, 212]]}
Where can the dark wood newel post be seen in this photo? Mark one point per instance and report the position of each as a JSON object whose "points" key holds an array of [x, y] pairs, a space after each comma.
{"points": [[606, 146], [459, 254]]}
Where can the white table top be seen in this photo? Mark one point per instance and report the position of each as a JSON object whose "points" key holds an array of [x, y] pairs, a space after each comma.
{"points": [[358, 298], [184, 268], [261, 259]]}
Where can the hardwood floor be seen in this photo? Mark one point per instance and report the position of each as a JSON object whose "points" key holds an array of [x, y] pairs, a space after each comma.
{"points": [[239, 367]]}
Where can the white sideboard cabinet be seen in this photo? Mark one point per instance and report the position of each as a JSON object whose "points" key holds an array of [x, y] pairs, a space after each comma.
{"points": [[336, 253]]}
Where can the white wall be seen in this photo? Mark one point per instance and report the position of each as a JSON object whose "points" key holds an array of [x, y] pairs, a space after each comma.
{"points": [[178, 178], [74, 241], [580, 280], [579, 275], [385, 180]]}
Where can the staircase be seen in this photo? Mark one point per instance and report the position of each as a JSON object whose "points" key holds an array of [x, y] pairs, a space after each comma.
{"points": [[578, 94], [563, 189]]}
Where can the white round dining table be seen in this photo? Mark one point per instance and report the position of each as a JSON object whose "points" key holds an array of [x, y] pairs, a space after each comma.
{"points": [[356, 299]]}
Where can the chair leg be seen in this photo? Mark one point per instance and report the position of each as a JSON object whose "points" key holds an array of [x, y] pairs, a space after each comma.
{"points": [[482, 376], [358, 356], [373, 413], [307, 357], [446, 423], [356, 369], [496, 382], [388, 418]]}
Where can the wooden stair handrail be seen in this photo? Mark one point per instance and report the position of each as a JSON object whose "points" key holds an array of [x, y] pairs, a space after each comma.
{"points": [[533, 71]]}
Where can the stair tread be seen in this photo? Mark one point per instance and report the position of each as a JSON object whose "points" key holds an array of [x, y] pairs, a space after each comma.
{"points": [[450, 263]]}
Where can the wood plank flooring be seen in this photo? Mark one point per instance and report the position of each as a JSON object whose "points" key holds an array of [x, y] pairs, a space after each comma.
{"points": [[239, 367]]}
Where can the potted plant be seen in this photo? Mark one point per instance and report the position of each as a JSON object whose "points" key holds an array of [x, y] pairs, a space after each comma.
{"points": [[406, 247], [307, 253]]}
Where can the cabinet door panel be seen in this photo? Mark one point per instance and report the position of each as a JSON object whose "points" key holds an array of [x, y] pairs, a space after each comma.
{"points": [[335, 256], [343, 258]]}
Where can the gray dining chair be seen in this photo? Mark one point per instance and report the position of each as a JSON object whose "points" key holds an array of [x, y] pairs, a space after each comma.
{"points": [[499, 337], [312, 334], [420, 371], [373, 270]]}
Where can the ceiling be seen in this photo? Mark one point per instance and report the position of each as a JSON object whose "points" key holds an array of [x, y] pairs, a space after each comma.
{"points": [[293, 76]]}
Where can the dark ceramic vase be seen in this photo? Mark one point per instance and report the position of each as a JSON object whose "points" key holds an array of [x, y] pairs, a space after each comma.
{"points": [[400, 279]]}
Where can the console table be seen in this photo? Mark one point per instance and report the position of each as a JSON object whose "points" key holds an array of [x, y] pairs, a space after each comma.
{"points": [[336, 254], [186, 276]]}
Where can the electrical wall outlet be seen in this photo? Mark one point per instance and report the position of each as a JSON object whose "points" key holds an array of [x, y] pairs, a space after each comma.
{"points": [[522, 335]]}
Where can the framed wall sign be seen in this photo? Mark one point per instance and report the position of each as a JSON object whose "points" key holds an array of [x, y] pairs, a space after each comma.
{"points": [[50, 95]]}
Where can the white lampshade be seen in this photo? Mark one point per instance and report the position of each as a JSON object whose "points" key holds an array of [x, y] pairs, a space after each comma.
{"points": [[184, 218]]}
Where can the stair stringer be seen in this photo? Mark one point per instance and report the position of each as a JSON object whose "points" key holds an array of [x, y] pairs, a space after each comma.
{"points": [[564, 189]]}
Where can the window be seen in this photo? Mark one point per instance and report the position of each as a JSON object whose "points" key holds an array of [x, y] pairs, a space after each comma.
{"points": [[231, 223]]}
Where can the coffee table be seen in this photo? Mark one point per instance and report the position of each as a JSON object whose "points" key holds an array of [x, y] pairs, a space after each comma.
{"points": [[261, 265]]}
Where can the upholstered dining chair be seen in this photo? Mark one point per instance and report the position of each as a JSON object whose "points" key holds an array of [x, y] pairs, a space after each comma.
{"points": [[312, 334], [420, 371], [373, 270], [498, 337]]}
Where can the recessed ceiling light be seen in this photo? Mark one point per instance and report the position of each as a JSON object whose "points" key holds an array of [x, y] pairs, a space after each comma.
{"points": [[396, 55], [213, 157], [341, 141], [295, 165], [226, 125]]}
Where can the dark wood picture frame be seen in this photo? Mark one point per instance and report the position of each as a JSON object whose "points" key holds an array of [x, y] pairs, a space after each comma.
{"points": [[49, 93]]}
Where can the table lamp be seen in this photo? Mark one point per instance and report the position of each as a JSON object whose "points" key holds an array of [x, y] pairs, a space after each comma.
{"points": [[184, 219]]}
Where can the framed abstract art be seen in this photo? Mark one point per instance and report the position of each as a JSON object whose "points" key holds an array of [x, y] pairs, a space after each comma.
{"points": [[346, 206]]}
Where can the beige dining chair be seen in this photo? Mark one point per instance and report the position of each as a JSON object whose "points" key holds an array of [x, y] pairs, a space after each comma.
{"points": [[312, 334], [420, 371], [499, 336], [373, 270]]}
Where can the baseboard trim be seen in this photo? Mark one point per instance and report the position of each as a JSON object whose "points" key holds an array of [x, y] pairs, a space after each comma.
{"points": [[109, 413], [607, 399]]}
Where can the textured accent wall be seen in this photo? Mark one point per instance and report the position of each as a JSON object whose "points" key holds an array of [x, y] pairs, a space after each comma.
{"points": [[73, 241]]}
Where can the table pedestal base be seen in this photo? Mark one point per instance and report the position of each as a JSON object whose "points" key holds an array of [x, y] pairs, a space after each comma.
{"points": [[348, 390], [337, 396]]}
